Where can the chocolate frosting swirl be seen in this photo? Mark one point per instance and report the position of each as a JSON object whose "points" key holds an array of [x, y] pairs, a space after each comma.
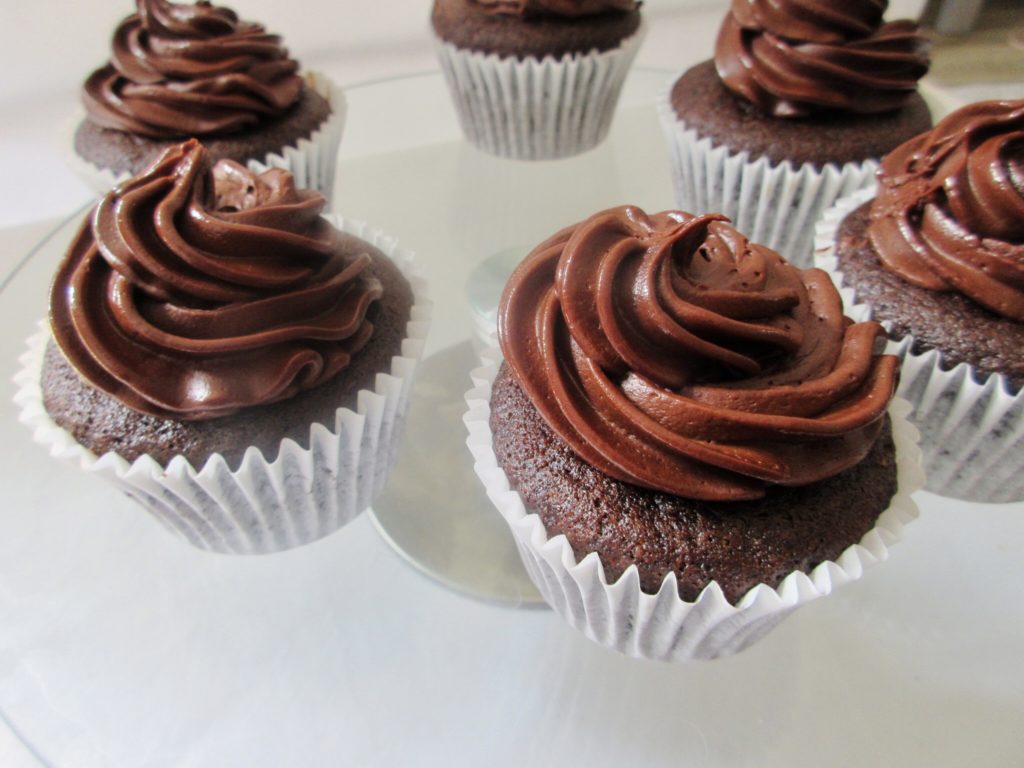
{"points": [[949, 212], [190, 293], [190, 70], [792, 58], [671, 353], [566, 8]]}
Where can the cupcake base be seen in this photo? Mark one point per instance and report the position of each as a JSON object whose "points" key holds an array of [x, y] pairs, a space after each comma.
{"points": [[536, 109], [620, 614], [701, 101], [738, 545], [773, 178]]}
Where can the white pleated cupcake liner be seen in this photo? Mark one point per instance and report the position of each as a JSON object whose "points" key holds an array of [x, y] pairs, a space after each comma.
{"points": [[311, 161], [663, 626], [972, 426], [262, 506], [773, 204], [534, 109]]}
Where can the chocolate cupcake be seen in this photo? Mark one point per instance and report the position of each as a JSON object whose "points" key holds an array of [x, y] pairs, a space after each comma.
{"points": [[937, 256], [179, 71], [536, 79], [798, 105], [227, 356], [687, 436]]}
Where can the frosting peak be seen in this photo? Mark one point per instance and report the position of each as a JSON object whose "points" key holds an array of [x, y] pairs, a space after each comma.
{"points": [[792, 58], [190, 70], [949, 213], [190, 293], [566, 8], [670, 352]]}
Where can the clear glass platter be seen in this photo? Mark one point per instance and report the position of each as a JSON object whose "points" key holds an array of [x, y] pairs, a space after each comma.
{"points": [[121, 646]]}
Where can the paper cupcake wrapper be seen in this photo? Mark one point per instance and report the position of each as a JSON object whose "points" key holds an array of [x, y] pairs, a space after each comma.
{"points": [[775, 205], [664, 627], [262, 506], [972, 427], [536, 109], [311, 161]]}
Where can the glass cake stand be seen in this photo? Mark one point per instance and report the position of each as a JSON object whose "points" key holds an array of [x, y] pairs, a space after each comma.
{"points": [[121, 646]]}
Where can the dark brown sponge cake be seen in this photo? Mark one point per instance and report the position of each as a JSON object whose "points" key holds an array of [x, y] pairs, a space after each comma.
{"points": [[701, 100], [459, 23], [961, 330], [737, 544], [102, 423], [126, 152]]}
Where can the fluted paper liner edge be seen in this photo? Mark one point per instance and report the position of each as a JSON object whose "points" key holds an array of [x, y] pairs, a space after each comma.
{"points": [[776, 205]]}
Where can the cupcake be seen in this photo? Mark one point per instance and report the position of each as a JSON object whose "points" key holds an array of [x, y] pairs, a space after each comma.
{"points": [[536, 79], [798, 105], [937, 256], [227, 356], [687, 437], [178, 71]]}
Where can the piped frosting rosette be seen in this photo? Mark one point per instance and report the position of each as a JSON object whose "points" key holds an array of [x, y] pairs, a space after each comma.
{"points": [[196, 70], [190, 294], [792, 59], [671, 353], [947, 216], [187, 302], [191, 70]]}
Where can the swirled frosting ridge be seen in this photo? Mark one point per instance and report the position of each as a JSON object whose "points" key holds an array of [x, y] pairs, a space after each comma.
{"points": [[190, 70], [792, 58], [949, 212], [190, 293], [670, 352]]}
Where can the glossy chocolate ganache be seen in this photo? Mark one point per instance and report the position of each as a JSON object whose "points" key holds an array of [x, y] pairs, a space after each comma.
{"points": [[192, 292], [566, 8], [792, 58], [180, 70], [670, 352], [949, 212]]}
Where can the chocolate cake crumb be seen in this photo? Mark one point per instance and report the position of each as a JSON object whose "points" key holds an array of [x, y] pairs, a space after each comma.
{"points": [[701, 100], [101, 423], [466, 27], [737, 544], [960, 329], [119, 151]]}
